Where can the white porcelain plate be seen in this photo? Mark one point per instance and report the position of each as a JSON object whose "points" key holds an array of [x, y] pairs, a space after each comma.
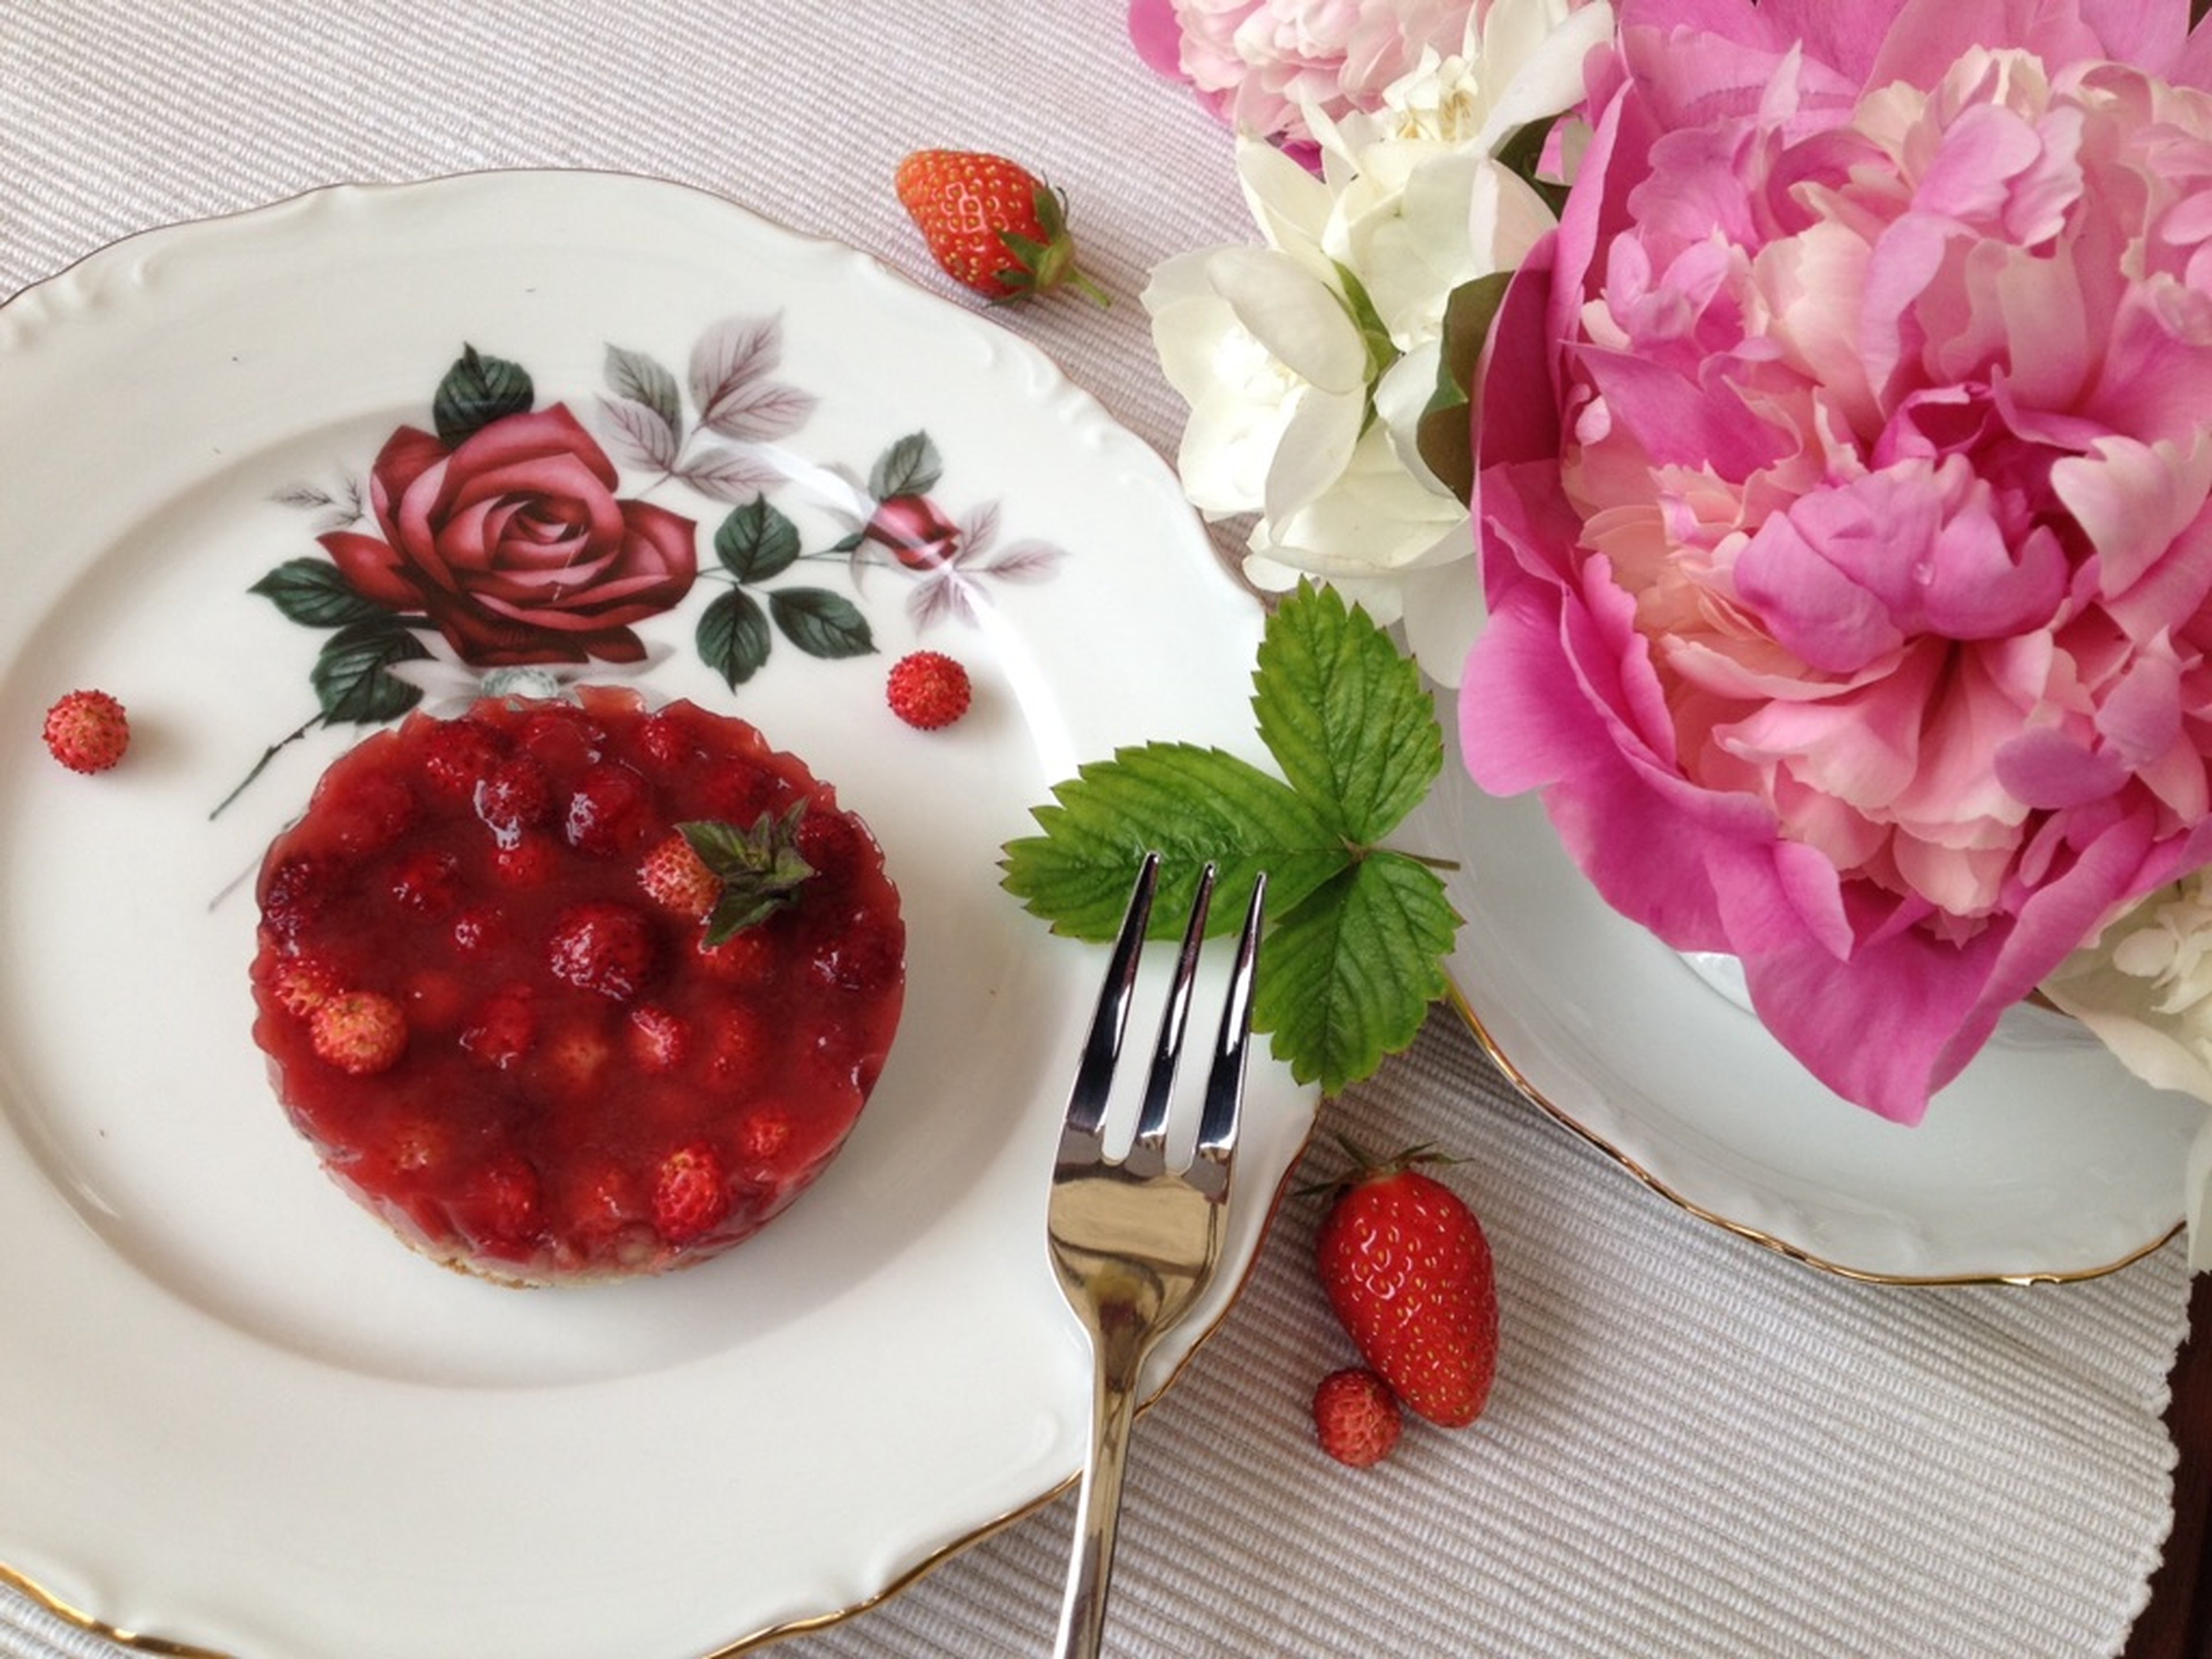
{"points": [[2044, 1159], [235, 1413]]}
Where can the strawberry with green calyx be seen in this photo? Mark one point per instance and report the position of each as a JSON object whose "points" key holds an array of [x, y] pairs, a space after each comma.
{"points": [[757, 871], [1407, 1270], [1357, 929], [990, 224]]}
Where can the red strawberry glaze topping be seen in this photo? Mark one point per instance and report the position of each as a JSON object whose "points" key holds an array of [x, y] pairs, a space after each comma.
{"points": [[554, 1079]]}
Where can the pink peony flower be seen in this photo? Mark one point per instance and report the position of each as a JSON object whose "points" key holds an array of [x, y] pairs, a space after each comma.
{"points": [[1842, 495], [1253, 61]]}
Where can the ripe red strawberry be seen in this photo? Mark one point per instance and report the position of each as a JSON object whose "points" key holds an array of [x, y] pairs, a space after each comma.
{"points": [[600, 945], [359, 1031], [1355, 1417], [303, 984], [87, 731], [677, 878], [504, 1028], [691, 1194], [991, 225], [927, 690], [1407, 1270]]}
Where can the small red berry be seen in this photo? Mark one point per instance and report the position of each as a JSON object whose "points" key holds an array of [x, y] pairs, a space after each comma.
{"points": [[691, 1194], [359, 1031], [529, 862], [427, 881], [677, 878], [1355, 1417], [87, 731], [746, 958], [603, 811], [603, 946], [504, 1028], [303, 984], [457, 754], [514, 795], [658, 1040], [927, 690], [991, 225]]}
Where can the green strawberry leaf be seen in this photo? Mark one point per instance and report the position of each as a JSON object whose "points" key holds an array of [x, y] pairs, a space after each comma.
{"points": [[1348, 975], [760, 869], [1345, 715], [1352, 957], [476, 390], [733, 637], [1191, 805]]}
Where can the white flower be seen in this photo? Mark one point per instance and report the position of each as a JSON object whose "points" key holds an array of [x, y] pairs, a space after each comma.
{"points": [[1309, 363], [2144, 987]]}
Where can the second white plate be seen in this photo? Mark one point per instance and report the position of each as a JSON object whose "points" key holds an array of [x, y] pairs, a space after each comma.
{"points": [[2046, 1159]]}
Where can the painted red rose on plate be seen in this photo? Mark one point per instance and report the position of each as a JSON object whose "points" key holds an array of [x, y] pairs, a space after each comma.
{"points": [[513, 544]]}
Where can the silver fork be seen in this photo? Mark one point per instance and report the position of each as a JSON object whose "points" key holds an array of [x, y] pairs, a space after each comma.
{"points": [[1134, 1241]]}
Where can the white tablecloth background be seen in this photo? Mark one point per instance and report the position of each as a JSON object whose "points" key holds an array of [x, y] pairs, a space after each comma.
{"points": [[1696, 1448]]}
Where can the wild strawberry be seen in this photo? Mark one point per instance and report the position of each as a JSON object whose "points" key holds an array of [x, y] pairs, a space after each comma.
{"points": [[374, 813], [603, 811], [600, 945], [1407, 1270], [479, 928], [927, 690], [303, 984], [87, 731], [747, 959], [427, 881], [504, 1028], [739, 1049], [457, 754], [990, 224], [677, 878], [295, 892], [514, 795], [359, 1031], [530, 860], [865, 955], [664, 739], [658, 1040], [502, 1207], [764, 1133], [1355, 1417], [571, 1064], [690, 1193]]}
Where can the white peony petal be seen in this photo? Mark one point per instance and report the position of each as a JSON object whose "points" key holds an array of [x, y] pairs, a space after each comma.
{"points": [[1288, 204], [1316, 447], [1297, 316], [1532, 61], [1444, 614]]}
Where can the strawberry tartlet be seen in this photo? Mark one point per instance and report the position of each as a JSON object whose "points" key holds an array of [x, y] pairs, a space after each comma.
{"points": [[571, 991]]}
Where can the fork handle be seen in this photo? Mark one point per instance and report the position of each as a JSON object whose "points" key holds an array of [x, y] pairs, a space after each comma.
{"points": [[1098, 1510]]}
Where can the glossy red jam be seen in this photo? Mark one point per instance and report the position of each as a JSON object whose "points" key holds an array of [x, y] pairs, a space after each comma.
{"points": [[498, 1021]]}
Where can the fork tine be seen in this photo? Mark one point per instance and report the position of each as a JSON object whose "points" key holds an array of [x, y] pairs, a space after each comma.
{"points": [[1159, 1083], [1102, 1048], [1224, 1082]]}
